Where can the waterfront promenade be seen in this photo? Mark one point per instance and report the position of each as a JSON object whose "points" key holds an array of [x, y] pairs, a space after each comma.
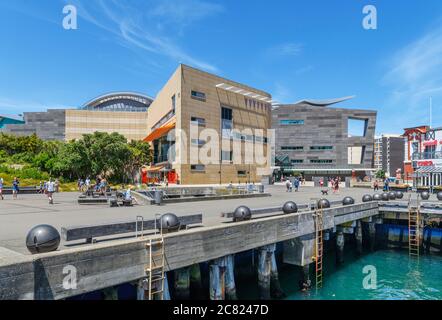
{"points": [[17, 217]]}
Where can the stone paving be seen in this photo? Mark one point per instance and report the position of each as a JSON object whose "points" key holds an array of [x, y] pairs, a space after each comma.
{"points": [[17, 217]]}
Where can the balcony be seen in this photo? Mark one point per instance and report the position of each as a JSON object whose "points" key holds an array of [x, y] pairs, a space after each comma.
{"points": [[427, 155]]}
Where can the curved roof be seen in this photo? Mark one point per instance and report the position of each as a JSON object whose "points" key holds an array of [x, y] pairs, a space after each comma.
{"points": [[120, 101], [324, 102]]}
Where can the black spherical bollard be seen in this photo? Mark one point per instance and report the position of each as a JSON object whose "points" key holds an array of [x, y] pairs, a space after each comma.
{"points": [[385, 196], [169, 222], [377, 197], [289, 207], [42, 238], [367, 198], [392, 195], [425, 195], [399, 195], [323, 204], [348, 201], [439, 196], [242, 213]]}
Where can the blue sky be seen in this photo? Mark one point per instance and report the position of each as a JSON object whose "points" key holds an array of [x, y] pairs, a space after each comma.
{"points": [[293, 49]]}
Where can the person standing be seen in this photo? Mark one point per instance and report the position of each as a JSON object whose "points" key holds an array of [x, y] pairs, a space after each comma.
{"points": [[15, 188], [1, 188], [88, 184], [376, 185], [51, 190], [296, 185], [287, 184], [386, 185]]}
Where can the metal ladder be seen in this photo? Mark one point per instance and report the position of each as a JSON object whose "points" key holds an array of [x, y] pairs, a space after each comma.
{"points": [[319, 247], [155, 269], [413, 228], [154, 282]]}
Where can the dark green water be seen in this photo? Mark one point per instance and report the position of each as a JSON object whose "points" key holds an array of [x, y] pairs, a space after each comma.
{"points": [[398, 278]]}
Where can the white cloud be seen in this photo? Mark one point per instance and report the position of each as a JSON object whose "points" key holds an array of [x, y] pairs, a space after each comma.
{"points": [[143, 27], [415, 72], [285, 49]]}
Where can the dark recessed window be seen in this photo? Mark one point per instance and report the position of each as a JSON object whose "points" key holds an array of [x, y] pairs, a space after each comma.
{"points": [[198, 95], [296, 161], [226, 122], [173, 103], [197, 167], [198, 142], [226, 155], [319, 148], [321, 161], [291, 148], [198, 121], [242, 173]]}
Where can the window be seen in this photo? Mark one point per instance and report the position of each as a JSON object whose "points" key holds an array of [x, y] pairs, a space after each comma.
{"points": [[242, 173], [198, 167], [226, 122], [296, 161], [198, 95], [198, 142], [321, 161], [319, 148], [291, 122], [357, 127], [291, 148], [198, 121], [173, 103], [227, 156]]}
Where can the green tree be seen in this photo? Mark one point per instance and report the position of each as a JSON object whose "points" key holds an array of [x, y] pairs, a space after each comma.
{"points": [[140, 155], [380, 174]]}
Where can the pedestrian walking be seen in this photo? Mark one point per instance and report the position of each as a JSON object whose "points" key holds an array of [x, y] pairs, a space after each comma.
{"points": [[50, 190], [15, 188], [296, 185]]}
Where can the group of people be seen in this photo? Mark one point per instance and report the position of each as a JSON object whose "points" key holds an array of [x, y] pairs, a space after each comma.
{"points": [[99, 186], [334, 183], [386, 185], [15, 188], [48, 188], [290, 184]]}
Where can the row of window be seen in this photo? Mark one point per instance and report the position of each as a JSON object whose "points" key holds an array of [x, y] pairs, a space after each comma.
{"points": [[312, 148], [256, 104], [291, 122], [202, 168], [298, 161], [201, 96]]}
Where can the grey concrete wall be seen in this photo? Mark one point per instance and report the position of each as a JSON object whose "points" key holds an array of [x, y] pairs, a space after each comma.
{"points": [[48, 125], [323, 126]]}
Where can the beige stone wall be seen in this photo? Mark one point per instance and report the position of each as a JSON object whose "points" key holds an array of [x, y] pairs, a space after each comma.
{"points": [[162, 104], [243, 117], [183, 81], [133, 125]]}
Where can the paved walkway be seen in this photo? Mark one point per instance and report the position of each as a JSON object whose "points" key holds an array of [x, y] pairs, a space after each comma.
{"points": [[17, 217]]}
